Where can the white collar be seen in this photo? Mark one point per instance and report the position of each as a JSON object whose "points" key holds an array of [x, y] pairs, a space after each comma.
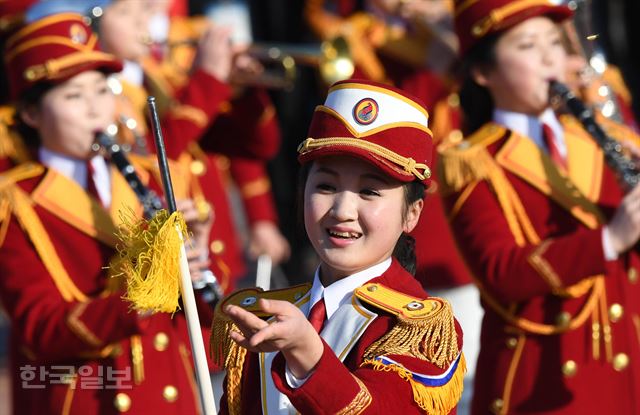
{"points": [[530, 126], [340, 291], [76, 170], [132, 72]]}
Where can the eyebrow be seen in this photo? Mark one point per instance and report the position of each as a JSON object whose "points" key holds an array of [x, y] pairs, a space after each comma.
{"points": [[327, 171], [376, 177]]}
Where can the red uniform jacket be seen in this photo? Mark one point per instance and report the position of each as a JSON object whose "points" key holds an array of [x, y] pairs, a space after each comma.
{"points": [[354, 386], [76, 348], [561, 332]]}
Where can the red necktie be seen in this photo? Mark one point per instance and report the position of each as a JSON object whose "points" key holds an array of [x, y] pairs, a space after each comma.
{"points": [[92, 189], [550, 142], [318, 315]]}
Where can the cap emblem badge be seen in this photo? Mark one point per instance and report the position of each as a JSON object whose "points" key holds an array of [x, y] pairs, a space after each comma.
{"points": [[365, 111]]}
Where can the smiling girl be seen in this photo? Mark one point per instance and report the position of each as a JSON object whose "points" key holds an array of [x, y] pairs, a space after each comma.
{"points": [[363, 337], [544, 225]]}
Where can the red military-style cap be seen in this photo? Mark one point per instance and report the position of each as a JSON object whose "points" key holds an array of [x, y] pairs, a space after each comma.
{"points": [[476, 19], [375, 122], [54, 49]]}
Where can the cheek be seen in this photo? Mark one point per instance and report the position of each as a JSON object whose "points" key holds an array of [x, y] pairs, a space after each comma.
{"points": [[380, 218], [516, 71], [313, 211], [107, 105]]}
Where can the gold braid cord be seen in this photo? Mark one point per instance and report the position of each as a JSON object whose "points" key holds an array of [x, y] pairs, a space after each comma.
{"points": [[409, 165]]}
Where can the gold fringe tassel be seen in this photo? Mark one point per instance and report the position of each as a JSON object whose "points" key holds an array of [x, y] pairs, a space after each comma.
{"points": [[433, 400], [225, 352], [149, 259], [432, 338]]}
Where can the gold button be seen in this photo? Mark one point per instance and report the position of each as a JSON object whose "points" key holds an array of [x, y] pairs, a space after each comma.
{"points": [[217, 247], [633, 275], [512, 342], [615, 312], [122, 402], [160, 341], [170, 393], [496, 406], [620, 362], [569, 368], [453, 100], [30, 74], [197, 168], [116, 351], [563, 319]]}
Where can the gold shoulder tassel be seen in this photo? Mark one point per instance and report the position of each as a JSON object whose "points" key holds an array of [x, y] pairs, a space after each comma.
{"points": [[432, 338], [433, 400], [458, 168], [429, 334], [149, 259]]}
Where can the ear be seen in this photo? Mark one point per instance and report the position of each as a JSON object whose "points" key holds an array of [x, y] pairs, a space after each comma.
{"points": [[413, 214], [31, 116], [480, 75]]}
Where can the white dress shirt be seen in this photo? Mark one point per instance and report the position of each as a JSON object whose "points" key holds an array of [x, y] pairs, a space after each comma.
{"points": [[334, 296], [76, 170]]}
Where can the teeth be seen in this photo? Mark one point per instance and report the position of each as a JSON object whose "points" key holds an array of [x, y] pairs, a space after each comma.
{"points": [[345, 235]]}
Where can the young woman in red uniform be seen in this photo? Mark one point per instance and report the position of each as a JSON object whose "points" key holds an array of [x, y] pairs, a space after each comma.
{"points": [[363, 337], [76, 347], [544, 224]]}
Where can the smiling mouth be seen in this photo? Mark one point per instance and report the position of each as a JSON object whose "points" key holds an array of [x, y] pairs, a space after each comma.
{"points": [[344, 235]]}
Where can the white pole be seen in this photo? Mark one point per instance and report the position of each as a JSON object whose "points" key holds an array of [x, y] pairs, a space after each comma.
{"points": [[207, 400], [263, 272]]}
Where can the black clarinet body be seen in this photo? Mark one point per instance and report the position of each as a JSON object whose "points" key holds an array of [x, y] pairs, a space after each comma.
{"points": [[625, 168], [151, 203]]}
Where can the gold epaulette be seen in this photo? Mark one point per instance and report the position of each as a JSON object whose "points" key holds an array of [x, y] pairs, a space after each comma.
{"points": [[425, 330], [469, 161], [20, 172], [224, 351]]}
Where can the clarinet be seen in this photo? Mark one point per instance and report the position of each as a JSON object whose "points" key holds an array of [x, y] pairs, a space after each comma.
{"points": [[625, 168], [151, 203]]}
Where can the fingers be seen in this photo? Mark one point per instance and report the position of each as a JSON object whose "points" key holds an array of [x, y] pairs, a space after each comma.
{"points": [[247, 322]]}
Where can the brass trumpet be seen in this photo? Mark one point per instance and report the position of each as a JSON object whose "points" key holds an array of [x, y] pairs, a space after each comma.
{"points": [[332, 58]]}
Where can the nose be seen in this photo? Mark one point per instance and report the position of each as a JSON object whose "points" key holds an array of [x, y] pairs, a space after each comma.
{"points": [[344, 207]]}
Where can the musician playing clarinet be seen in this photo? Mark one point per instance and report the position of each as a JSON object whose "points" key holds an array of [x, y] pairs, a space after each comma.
{"points": [[544, 223], [76, 347]]}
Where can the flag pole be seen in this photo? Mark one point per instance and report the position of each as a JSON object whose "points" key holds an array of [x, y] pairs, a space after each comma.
{"points": [[207, 399]]}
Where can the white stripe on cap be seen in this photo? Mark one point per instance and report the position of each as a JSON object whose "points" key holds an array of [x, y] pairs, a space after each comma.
{"points": [[393, 108]]}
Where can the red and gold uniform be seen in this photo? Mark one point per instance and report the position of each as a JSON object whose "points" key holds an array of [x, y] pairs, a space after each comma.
{"points": [[559, 318], [561, 331], [76, 347], [358, 381]]}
